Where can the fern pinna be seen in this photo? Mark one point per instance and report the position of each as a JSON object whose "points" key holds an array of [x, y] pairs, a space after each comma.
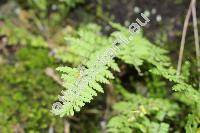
{"points": [[87, 47]]}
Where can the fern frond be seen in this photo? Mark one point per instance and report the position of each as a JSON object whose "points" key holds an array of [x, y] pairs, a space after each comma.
{"points": [[179, 80], [91, 45], [139, 49], [85, 44], [132, 114], [83, 91], [86, 87]]}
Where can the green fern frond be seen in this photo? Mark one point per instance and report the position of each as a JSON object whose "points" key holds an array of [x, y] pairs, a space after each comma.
{"points": [[84, 45], [179, 80], [139, 49], [93, 47], [82, 91], [192, 124], [89, 44], [132, 114]]}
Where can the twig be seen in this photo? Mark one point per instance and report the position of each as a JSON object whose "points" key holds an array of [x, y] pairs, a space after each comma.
{"points": [[66, 127], [51, 129], [196, 37], [50, 72], [110, 100], [183, 36]]}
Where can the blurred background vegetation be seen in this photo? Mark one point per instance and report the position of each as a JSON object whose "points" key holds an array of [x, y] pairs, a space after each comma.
{"points": [[32, 45]]}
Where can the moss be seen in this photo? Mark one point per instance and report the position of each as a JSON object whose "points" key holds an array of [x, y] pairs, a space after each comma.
{"points": [[20, 84]]}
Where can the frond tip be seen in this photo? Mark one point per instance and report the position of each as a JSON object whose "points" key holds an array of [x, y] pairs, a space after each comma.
{"points": [[80, 89]]}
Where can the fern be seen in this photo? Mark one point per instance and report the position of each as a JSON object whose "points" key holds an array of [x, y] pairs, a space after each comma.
{"points": [[192, 124], [142, 50], [83, 90], [88, 85], [83, 45], [89, 44], [133, 112], [19, 35], [139, 49], [180, 84]]}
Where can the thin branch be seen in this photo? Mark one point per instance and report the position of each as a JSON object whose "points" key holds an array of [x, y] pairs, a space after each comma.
{"points": [[196, 37], [66, 127], [51, 129], [186, 22], [51, 73]]}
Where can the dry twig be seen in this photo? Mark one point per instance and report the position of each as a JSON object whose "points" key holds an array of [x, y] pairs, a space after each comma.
{"points": [[183, 36], [66, 127], [196, 37], [50, 72]]}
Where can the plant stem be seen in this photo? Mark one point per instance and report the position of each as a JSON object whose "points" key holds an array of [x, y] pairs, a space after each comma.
{"points": [[196, 37], [183, 36]]}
